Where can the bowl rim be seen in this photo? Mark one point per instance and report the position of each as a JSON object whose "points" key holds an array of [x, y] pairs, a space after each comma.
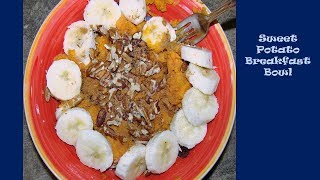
{"points": [[27, 108]]}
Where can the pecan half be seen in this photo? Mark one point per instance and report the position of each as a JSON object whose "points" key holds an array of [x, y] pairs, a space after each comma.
{"points": [[110, 132], [101, 117]]}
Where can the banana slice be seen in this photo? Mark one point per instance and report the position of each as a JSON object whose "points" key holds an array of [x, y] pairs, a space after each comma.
{"points": [[71, 122], [94, 150], [206, 80], [155, 33], [102, 12], [132, 164], [161, 152], [187, 134], [64, 79], [198, 56], [134, 10], [199, 108], [79, 37]]}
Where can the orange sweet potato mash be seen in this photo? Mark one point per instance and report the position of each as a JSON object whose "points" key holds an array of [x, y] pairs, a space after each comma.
{"points": [[172, 70], [126, 27], [161, 5], [177, 81]]}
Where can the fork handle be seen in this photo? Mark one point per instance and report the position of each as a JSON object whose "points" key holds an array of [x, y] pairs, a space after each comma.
{"points": [[220, 10]]}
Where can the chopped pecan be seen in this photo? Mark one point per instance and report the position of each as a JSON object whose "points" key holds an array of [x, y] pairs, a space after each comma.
{"points": [[166, 103], [140, 49], [149, 100], [156, 108], [127, 58], [119, 44], [110, 132], [103, 102], [105, 79], [153, 86], [138, 43], [136, 116], [154, 70], [142, 67], [121, 95], [152, 116], [143, 138], [101, 96], [135, 70], [98, 31], [112, 33], [94, 98], [162, 84], [101, 117], [133, 129], [100, 74]]}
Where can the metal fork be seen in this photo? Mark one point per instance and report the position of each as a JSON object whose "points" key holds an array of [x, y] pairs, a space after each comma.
{"points": [[195, 27]]}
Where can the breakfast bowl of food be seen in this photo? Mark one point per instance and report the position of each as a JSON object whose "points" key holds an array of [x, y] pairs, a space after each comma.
{"points": [[109, 93]]}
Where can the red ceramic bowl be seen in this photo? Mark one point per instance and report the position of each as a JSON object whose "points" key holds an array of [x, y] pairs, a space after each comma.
{"points": [[61, 158]]}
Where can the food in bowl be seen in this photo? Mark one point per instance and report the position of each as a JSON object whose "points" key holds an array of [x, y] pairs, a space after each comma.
{"points": [[125, 90]]}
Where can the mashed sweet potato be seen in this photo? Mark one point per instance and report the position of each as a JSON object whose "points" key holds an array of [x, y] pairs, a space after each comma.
{"points": [[178, 84], [126, 27], [161, 5], [101, 52], [177, 81], [168, 97]]}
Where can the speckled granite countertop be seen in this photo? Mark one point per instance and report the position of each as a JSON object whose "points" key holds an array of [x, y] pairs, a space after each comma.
{"points": [[35, 11]]}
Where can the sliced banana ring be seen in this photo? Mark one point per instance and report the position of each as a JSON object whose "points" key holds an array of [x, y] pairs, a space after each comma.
{"points": [[161, 152], [188, 135], [134, 10], [198, 56], [94, 150], [132, 164], [80, 38], [64, 79], [71, 122], [155, 33], [206, 80], [102, 12], [199, 108]]}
